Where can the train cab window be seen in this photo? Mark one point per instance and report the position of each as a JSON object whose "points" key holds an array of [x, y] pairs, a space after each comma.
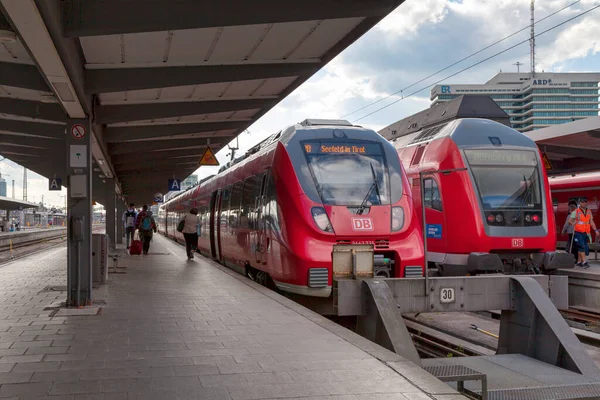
{"points": [[432, 195], [234, 208]]}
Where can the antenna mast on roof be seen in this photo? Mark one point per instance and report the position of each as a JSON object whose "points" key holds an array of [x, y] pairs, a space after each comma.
{"points": [[518, 64], [532, 40]]}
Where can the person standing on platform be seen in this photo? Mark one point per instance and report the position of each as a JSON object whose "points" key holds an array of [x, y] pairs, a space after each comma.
{"points": [[190, 232], [129, 219], [146, 225], [568, 229], [582, 220]]}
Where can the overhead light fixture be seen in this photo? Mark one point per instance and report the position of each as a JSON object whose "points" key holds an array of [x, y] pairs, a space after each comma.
{"points": [[7, 36]]}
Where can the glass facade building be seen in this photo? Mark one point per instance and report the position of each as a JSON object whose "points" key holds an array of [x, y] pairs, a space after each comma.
{"points": [[534, 102]]}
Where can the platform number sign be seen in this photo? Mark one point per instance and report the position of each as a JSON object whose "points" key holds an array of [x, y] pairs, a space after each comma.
{"points": [[55, 184], [78, 131], [447, 295], [517, 243]]}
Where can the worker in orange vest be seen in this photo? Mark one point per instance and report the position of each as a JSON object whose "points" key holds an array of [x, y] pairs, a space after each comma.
{"points": [[582, 220]]}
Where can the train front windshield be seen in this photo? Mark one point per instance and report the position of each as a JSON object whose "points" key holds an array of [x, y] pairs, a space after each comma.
{"points": [[348, 173], [506, 179]]}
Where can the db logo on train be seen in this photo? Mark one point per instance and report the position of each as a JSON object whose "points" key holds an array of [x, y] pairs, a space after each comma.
{"points": [[362, 224], [517, 243]]}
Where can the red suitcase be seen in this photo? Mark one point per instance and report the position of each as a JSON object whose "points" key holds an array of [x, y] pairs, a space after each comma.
{"points": [[136, 247]]}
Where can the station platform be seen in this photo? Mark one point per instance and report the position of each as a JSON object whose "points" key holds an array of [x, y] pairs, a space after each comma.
{"points": [[167, 328], [584, 285]]}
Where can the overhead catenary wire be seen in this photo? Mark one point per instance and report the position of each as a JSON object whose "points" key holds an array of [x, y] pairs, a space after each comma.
{"points": [[478, 63], [461, 60]]}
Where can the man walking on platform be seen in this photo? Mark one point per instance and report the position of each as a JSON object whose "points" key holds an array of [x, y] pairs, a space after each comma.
{"points": [[146, 225], [129, 220], [582, 220]]}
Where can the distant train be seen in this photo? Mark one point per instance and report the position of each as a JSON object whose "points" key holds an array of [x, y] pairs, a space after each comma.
{"points": [[565, 188], [276, 213], [486, 196]]}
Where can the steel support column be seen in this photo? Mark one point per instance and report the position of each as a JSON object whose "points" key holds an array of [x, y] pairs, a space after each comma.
{"points": [[79, 214], [110, 212]]}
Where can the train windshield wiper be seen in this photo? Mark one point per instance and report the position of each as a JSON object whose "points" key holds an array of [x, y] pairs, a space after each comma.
{"points": [[528, 189], [375, 186]]}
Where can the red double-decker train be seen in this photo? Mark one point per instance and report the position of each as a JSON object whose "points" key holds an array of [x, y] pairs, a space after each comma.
{"points": [[276, 213], [486, 196]]}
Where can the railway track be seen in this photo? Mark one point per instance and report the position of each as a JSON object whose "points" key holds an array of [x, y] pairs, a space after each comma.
{"points": [[21, 246]]}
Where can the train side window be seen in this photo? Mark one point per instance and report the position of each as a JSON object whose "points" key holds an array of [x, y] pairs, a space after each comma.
{"points": [[236, 198], [432, 195], [225, 196], [272, 211], [248, 201]]}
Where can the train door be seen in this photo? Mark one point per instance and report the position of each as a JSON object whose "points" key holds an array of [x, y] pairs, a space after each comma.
{"points": [[436, 221], [214, 224], [261, 234]]}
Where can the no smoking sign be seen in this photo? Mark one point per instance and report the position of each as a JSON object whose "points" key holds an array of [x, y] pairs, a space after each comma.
{"points": [[78, 131]]}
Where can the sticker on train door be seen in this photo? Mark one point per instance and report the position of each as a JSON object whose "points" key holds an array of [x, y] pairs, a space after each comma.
{"points": [[517, 243], [362, 224]]}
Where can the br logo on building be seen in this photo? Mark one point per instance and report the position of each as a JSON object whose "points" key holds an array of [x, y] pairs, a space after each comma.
{"points": [[445, 89]]}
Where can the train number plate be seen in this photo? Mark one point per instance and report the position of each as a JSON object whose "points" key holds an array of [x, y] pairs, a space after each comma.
{"points": [[447, 295], [517, 243]]}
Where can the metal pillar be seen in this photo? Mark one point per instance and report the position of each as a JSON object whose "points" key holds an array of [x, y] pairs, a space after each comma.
{"points": [[120, 225], [110, 212], [79, 212]]}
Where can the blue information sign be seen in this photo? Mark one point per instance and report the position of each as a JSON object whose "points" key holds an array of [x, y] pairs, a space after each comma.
{"points": [[174, 184], [434, 231], [54, 184]]}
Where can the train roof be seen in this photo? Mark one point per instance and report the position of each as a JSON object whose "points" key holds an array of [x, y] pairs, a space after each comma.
{"points": [[309, 123], [469, 132], [570, 182], [465, 106]]}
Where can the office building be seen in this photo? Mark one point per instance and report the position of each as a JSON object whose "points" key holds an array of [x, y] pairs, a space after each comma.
{"points": [[533, 102]]}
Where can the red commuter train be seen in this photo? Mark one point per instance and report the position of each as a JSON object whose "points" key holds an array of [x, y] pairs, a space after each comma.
{"points": [[276, 213], [487, 199], [565, 188]]}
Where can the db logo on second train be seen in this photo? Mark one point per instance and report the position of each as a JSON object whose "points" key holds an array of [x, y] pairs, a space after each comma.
{"points": [[362, 224]]}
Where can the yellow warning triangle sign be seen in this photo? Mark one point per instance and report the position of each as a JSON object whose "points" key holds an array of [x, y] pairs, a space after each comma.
{"points": [[546, 161], [208, 158]]}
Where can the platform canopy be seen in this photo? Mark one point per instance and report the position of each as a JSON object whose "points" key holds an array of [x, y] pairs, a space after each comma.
{"points": [[571, 147], [6, 203], [160, 79]]}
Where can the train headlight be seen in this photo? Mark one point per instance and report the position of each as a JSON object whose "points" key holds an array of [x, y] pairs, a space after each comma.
{"points": [[491, 218], [321, 219], [499, 218], [397, 218], [528, 218], [536, 218]]}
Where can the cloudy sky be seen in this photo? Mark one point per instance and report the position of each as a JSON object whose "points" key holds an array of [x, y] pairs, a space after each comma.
{"points": [[416, 40]]}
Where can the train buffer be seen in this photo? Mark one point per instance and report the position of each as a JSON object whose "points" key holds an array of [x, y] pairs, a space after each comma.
{"points": [[538, 356]]}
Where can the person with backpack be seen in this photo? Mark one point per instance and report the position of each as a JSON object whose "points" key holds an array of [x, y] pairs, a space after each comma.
{"points": [[189, 228], [146, 226], [129, 218]]}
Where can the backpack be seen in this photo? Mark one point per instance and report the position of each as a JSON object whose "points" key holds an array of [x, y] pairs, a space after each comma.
{"points": [[130, 218], [146, 224]]}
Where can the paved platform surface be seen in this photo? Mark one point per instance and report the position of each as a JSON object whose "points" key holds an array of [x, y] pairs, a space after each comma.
{"points": [[169, 328]]}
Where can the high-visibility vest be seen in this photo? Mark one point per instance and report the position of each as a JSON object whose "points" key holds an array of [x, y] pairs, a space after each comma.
{"points": [[582, 221]]}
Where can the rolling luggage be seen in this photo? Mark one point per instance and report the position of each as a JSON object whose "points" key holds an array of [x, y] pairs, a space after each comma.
{"points": [[136, 247]]}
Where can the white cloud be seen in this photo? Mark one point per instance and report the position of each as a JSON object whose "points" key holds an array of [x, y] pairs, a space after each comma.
{"points": [[411, 15]]}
